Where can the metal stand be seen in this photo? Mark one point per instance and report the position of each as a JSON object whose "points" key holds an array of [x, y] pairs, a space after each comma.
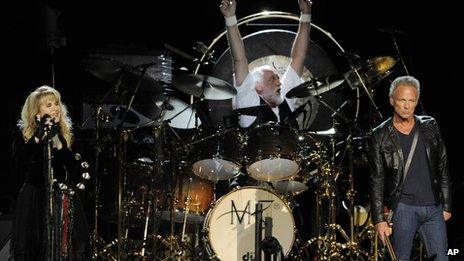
{"points": [[258, 229], [48, 172]]}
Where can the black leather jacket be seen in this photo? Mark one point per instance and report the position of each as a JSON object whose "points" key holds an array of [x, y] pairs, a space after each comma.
{"points": [[386, 165]]}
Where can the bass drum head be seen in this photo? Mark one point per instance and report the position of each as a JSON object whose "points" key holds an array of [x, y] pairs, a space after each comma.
{"points": [[231, 223], [273, 47]]}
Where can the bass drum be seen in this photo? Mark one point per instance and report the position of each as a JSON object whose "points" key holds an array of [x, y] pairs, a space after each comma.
{"points": [[230, 224], [273, 47]]}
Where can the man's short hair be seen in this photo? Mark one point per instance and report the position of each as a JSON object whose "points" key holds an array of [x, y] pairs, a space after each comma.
{"points": [[407, 80]]}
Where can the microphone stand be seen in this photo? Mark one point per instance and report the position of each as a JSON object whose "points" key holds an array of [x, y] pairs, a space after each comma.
{"points": [[48, 171], [96, 183], [53, 39]]}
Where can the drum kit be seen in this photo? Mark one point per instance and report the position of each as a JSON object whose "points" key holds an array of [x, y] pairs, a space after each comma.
{"points": [[170, 206]]}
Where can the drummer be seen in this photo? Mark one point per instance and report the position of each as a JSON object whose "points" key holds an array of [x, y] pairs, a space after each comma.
{"points": [[263, 85]]}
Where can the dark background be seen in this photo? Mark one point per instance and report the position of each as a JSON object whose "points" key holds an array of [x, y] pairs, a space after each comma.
{"points": [[429, 45]]}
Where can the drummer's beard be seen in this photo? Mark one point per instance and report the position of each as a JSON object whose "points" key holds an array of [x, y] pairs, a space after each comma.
{"points": [[274, 99]]}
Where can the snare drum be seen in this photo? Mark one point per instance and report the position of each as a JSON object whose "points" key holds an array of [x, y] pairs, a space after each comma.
{"points": [[272, 152], [230, 224]]}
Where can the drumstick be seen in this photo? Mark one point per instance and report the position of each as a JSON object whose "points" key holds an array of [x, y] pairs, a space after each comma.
{"points": [[390, 248]]}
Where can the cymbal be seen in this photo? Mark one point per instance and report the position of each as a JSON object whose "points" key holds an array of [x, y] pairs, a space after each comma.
{"points": [[315, 87], [205, 86], [380, 65], [116, 72], [109, 70], [257, 111], [371, 71]]}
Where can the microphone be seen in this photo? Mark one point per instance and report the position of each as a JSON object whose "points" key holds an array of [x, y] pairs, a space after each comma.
{"points": [[46, 116]]}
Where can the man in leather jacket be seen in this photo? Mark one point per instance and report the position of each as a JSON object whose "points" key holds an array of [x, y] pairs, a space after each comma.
{"points": [[420, 199]]}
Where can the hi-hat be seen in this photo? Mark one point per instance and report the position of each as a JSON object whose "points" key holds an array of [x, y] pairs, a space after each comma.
{"points": [[204, 86], [315, 87]]}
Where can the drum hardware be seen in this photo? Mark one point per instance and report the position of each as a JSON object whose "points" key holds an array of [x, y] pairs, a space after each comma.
{"points": [[99, 116], [327, 244], [123, 137]]}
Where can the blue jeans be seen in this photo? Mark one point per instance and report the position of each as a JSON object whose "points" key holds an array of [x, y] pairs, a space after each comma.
{"points": [[428, 220]]}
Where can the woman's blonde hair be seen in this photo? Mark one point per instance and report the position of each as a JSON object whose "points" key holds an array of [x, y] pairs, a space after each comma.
{"points": [[31, 107]]}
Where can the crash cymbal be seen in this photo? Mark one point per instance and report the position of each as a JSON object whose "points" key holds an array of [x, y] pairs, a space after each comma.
{"points": [[380, 65], [372, 71], [205, 86], [119, 73], [109, 70], [315, 87]]}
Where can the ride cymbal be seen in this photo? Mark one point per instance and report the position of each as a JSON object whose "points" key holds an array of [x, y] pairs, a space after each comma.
{"points": [[315, 87], [204, 86]]}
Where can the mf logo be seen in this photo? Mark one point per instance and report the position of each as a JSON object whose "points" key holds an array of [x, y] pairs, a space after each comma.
{"points": [[240, 213], [453, 251]]}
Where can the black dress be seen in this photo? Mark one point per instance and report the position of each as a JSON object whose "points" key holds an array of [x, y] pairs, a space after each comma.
{"points": [[29, 238]]}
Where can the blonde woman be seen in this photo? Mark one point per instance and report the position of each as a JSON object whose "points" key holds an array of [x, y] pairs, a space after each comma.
{"points": [[45, 118]]}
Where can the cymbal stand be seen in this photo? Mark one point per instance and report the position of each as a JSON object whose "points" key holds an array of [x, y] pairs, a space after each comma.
{"points": [[96, 183], [98, 117], [355, 238], [174, 245], [400, 56], [123, 137], [328, 247], [353, 242]]}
